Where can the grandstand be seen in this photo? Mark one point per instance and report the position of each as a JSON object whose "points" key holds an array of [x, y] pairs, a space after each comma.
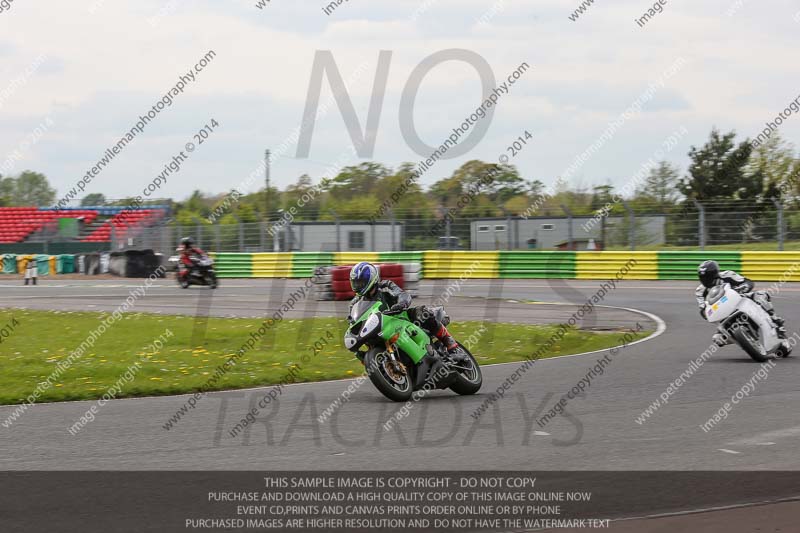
{"points": [[31, 224]]}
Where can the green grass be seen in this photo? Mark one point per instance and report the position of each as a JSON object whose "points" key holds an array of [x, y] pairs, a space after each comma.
{"points": [[43, 338]]}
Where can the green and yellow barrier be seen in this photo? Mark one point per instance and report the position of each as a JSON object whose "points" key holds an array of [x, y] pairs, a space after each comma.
{"points": [[771, 266], [664, 265], [272, 265], [304, 263], [233, 265], [608, 265], [537, 265], [683, 264], [351, 258], [461, 264]]}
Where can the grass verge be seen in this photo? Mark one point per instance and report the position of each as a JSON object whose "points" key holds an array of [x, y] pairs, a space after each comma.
{"points": [[39, 340]]}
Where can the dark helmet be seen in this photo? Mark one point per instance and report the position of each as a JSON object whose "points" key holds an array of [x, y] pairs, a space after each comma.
{"points": [[187, 241], [708, 272], [363, 277]]}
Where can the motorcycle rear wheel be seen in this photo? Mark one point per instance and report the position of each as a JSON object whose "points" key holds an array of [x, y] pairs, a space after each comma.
{"points": [[470, 383]]}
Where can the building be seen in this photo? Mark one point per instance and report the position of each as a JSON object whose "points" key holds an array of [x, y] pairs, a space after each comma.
{"points": [[547, 233], [343, 237]]}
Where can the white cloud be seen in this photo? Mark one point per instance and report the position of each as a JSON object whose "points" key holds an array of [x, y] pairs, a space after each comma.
{"points": [[105, 68]]}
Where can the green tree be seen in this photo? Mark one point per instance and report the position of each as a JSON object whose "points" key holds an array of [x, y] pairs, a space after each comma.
{"points": [[601, 196], [717, 170], [29, 188], [536, 188], [773, 165], [7, 186], [303, 192], [93, 199], [661, 185], [357, 180]]}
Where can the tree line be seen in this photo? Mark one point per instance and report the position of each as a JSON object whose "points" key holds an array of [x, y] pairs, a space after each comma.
{"points": [[721, 173]]}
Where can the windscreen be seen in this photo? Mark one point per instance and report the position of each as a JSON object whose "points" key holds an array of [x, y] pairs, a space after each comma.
{"points": [[361, 307]]}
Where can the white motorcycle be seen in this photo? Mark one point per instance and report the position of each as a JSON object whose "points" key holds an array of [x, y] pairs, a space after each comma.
{"points": [[742, 319]]}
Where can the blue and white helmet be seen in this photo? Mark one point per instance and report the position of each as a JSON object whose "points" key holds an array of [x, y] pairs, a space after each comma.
{"points": [[363, 277]]}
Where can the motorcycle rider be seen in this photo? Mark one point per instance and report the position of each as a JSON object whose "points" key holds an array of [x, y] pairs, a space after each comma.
{"points": [[710, 276], [189, 253], [365, 280]]}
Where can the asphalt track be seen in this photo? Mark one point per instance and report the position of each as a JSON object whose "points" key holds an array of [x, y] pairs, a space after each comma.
{"points": [[598, 431]]}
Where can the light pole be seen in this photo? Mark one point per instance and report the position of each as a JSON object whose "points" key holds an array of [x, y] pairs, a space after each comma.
{"points": [[266, 190]]}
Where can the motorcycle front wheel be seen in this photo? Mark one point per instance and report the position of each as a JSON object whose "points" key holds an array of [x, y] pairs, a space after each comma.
{"points": [[391, 378], [748, 344]]}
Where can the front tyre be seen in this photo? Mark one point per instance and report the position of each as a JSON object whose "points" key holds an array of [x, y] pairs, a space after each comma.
{"points": [[468, 375], [748, 344], [211, 279], [391, 378]]}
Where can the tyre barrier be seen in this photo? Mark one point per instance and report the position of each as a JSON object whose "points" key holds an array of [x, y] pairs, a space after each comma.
{"points": [[333, 282], [45, 264], [135, 264]]}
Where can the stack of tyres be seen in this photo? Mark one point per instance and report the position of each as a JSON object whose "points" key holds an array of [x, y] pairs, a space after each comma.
{"points": [[340, 279], [393, 272], [321, 288], [412, 273], [340, 282]]}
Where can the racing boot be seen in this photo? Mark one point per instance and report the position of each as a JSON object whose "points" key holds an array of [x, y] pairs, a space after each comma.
{"points": [[721, 340], [445, 338], [781, 330]]}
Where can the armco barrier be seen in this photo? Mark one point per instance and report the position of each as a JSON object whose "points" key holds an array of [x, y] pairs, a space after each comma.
{"points": [[304, 263], [537, 265], [606, 265], [683, 264], [351, 258], [664, 265], [233, 265], [771, 266], [272, 265], [461, 264]]}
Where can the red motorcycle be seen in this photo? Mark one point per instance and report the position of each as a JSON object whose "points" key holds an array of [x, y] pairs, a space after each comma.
{"points": [[201, 272]]}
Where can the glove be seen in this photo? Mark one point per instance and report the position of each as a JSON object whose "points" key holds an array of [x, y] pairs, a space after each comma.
{"points": [[703, 312], [396, 308]]}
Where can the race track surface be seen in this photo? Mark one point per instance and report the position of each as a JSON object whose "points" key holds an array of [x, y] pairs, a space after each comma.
{"points": [[598, 431]]}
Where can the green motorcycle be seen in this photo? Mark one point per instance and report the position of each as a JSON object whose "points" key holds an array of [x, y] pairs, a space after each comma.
{"points": [[400, 357]]}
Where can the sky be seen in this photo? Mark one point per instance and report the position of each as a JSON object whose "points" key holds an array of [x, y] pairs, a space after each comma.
{"points": [[76, 76]]}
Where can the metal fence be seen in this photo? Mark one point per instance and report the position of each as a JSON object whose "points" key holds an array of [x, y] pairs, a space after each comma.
{"points": [[734, 224]]}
